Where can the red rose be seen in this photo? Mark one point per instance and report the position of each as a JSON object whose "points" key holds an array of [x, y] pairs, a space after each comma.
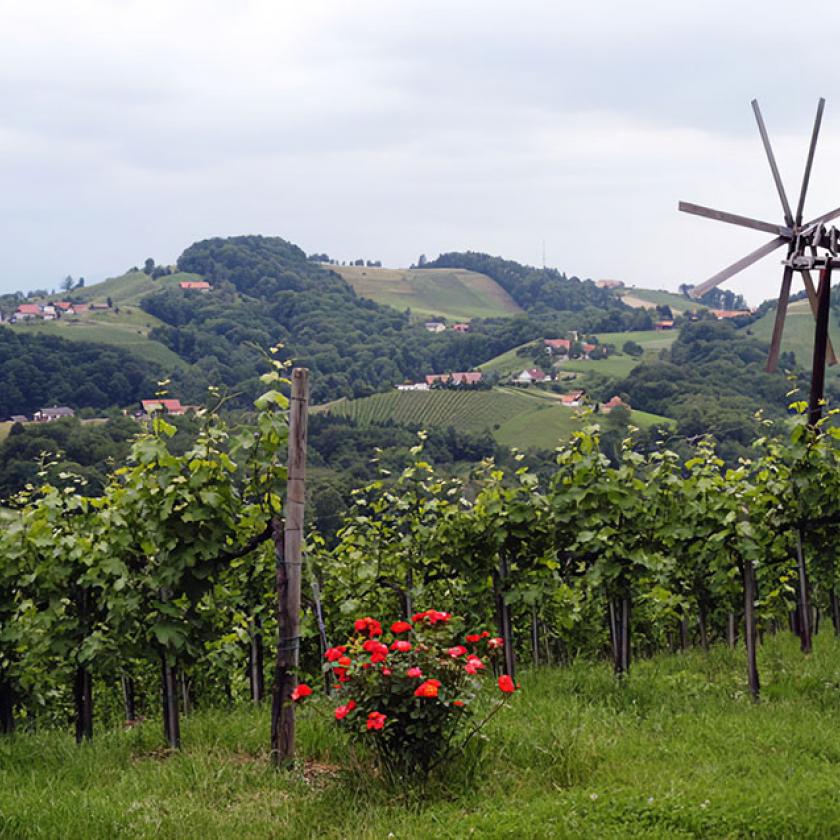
{"points": [[458, 703], [376, 720], [473, 638], [401, 645], [301, 691], [400, 627], [414, 672], [474, 665], [493, 644], [386, 672], [376, 658], [368, 625], [506, 684], [345, 661], [431, 617], [429, 688], [342, 711], [458, 650], [335, 653]]}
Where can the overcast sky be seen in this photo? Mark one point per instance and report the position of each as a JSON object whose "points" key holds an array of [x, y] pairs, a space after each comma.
{"points": [[388, 128]]}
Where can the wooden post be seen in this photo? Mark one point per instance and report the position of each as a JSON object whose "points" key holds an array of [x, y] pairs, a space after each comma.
{"points": [[804, 598], [129, 700], [288, 553], [255, 660], [171, 716], [748, 574], [505, 618], [7, 708], [820, 345]]}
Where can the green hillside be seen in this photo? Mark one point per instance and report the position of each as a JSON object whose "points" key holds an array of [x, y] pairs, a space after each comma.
{"points": [[798, 335], [514, 416], [129, 288], [650, 299], [455, 294], [618, 364]]}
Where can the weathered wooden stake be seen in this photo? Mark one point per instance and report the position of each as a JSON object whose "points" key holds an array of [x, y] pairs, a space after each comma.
{"points": [[129, 701], [7, 708], [171, 715], [820, 346], [804, 599], [255, 661], [748, 574], [288, 543]]}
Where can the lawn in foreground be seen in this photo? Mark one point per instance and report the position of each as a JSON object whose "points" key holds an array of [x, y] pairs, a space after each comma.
{"points": [[676, 751]]}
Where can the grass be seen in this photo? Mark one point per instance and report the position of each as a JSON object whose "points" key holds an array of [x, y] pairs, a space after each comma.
{"points": [[650, 299], [521, 417], [798, 335], [129, 288], [676, 751], [454, 294], [5, 426]]}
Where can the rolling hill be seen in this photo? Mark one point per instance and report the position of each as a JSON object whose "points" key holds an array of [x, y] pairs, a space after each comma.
{"points": [[454, 294], [650, 299], [514, 416]]}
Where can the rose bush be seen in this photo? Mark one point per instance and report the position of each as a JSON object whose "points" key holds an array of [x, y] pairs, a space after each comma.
{"points": [[409, 693]]}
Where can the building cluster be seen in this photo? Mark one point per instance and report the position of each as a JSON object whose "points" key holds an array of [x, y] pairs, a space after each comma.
{"points": [[173, 408], [460, 379], [195, 285], [439, 326], [52, 311], [45, 415]]}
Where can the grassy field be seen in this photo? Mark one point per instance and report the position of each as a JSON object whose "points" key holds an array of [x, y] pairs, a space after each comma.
{"points": [[455, 294], [129, 288], [675, 751], [521, 417], [798, 335], [4, 429], [650, 299]]}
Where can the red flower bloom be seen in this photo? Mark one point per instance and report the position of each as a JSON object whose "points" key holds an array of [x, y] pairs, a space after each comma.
{"points": [[484, 634], [345, 661], [386, 672], [431, 617], [368, 625], [301, 691], [458, 703], [377, 657], [506, 684], [335, 653], [458, 650], [496, 643], [342, 711], [376, 720], [414, 672], [401, 645], [375, 648], [429, 688], [400, 627], [473, 638], [474, 665]]}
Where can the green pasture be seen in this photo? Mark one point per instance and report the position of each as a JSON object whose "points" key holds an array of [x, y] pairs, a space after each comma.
{"points": [[651, 298]]}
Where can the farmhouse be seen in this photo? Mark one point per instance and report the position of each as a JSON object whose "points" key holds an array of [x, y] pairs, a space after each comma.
{"points": [[574, 398], [461, 328], [609, 284], [434, 326], [413, 386], [613, 402], [461, 378], [172, 407], [532, 375], [563, 347], [722, 314], [19, 418], [26, 311], [661, 326], [195, 285], [47, 415]]}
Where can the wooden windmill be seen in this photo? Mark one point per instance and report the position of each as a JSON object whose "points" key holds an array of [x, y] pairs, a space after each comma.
{"points": [[798, 238]]}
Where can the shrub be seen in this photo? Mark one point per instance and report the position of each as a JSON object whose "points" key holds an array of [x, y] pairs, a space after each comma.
{"points": [[409, 694]]}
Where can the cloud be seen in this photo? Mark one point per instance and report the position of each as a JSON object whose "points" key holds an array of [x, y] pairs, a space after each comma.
{"points": [[383, 130]]}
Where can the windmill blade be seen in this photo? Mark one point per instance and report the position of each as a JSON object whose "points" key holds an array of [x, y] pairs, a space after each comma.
{"points": [[740, 265], [779, 323], [810, 161], [826, 217], [734, 219], [762, 130], [811, 291]]}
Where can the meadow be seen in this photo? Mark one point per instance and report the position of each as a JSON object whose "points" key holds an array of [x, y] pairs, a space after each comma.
{"points": [[650, 299], [455, 294], [674, 750]]}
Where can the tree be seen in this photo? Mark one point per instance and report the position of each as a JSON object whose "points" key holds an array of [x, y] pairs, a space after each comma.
{"points": [[631, 348], [148, 266], [67, 283], [81, 283], [421, 261]]}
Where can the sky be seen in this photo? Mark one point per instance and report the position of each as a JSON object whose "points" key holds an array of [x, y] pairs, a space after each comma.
{"points": [[384, 129]]}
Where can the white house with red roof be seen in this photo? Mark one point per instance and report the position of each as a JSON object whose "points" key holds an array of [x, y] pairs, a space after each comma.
{"points": [[532, 375], [195, 285], [574, 398], [613, 402]]}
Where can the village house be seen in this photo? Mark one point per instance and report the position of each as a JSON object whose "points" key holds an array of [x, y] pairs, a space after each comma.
{"points": [[661, 326], [26, 311], [48, 313], [563, 346], [195, 285], [434, 326], [161, 406], [532, 375], [461, 328], [723, 314], [613, 402], [460, 378], [574, 398], [19, 418], [609, 284], [413, 386], [47, 415]]}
